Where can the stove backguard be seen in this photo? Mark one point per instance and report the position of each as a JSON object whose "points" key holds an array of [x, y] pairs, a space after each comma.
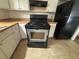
{"points": [[39, 18]]}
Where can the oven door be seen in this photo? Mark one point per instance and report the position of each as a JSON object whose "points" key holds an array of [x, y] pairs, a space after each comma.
{"points": [[37, 35]]}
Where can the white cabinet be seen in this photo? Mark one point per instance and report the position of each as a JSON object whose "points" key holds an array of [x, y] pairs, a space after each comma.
{"points": [[19, 5], [24, 5], [9, 39], [14, 4], [52, 29], [8, 46], [2, 56], [52, 5], [4, 4]]}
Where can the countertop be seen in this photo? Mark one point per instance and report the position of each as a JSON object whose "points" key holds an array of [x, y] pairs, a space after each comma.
{"points": [[2, 28], [9, 22]]}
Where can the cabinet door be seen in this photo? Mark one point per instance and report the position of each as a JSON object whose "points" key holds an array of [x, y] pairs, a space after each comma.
{"points": [[4, 4], [24, 4], [2, 55], [14, 4], [52, 5], [8, 46]]}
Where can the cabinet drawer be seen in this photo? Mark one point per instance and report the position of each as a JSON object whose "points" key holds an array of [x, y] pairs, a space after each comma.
{"points": [[5, 33], [8, 46]]}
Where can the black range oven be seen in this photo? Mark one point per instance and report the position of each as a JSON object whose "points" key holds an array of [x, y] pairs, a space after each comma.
{"points": [[37, 31]]}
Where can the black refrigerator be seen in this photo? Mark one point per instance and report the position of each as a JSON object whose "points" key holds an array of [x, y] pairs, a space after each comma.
{"points": [[67, 16]]}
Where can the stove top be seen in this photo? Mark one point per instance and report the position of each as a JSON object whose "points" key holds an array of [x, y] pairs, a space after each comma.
{"points": [[38, 22]]}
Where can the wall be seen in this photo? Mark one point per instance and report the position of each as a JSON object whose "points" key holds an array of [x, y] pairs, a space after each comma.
{"points": [[18, 14], [3, 14], [25, 14]]}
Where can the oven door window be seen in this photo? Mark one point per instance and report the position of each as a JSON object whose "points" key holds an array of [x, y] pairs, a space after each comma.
{"points": [[37, 35]]}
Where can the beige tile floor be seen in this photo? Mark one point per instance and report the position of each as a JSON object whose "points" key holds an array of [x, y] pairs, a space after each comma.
{"points": [[57, 49]]}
